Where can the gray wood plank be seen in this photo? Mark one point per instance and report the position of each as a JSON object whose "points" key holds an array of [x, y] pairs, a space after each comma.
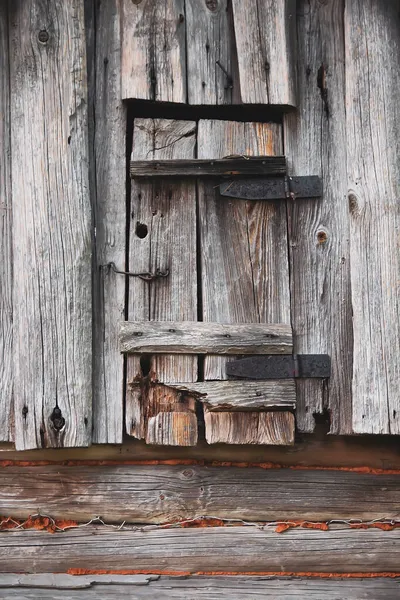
{"points": [[242, 395], [165, 493], [62, 581], [319, 231], [109, 205], [153, 50], [270, 428], [264, 33], [244, 261], [231, 587], [373, 133], [204, 338], [211, 549], [6, 331], [162, 236], [227, 166], [210, 53], [52, 317]]}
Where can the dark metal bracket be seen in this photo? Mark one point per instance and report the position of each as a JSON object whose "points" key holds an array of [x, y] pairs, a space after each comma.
{"points": [[273, 188], [144, 276], [275, 366]]}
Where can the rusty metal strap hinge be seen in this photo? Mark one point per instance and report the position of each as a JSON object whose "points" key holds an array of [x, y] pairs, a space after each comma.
{"points": [[273, 188], [274, 366]]}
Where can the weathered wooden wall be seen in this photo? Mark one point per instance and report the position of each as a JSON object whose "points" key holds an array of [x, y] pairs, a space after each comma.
{"points": [[52, 243], [6, 330]]}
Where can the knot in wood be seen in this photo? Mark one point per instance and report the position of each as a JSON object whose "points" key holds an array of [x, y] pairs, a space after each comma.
{"points": [[188, 473], [57, 419], [43, 36], [212, 5]]}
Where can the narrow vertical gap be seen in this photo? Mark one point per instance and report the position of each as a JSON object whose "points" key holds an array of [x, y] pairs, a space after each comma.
{"points": [[186, 57], [200, 358]]}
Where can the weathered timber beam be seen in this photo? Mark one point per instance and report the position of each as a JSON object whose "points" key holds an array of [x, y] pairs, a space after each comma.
{"points": [[241, 395], [212, 549], [160, 337], [163, 493], [222, 167], [147, 587]]}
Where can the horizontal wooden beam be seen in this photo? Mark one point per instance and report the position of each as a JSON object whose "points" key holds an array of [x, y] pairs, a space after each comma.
{"points": [[158, 494], [211, 549], [222, 167], [187, 337], [53, 586], [242, 395]]}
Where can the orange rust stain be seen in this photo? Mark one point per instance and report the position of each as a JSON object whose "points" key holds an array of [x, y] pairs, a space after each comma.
{"points": [[225, 573], [281, 527], [376, 525], [206, 522], [38, 522], [193, 462]]}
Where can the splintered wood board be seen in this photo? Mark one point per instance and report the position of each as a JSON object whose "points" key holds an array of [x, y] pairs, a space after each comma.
{"points": [[52, 225], [163, 236]]}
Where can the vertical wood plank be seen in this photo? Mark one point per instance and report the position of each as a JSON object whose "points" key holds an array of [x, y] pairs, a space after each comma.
{"points": [[6, 363], [211, 57], [244, 260], [372, 41], [264, 32], [319, 231], [153, 50], [109, 205], [51, 225], [162, 236]]}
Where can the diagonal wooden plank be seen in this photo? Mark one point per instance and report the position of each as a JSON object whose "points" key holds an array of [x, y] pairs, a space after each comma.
{"points": [[162, 236], [373, 132], [51, 225], [319, 231], [6, 335], [153, 50]]}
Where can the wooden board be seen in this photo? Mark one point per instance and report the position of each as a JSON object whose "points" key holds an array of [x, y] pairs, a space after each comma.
{"points": [[373, 132], [212, 549], [162, 236], [276, 428], [265, 33], [242, 395], [153, 52], [244, 263], [319, 230], [109, 204], [157, 337], [6, 334], [211, 53], [52, 308], [225, 166], [202, 588]]}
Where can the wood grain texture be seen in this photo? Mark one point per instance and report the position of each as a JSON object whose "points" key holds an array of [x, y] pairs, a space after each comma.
{"points": [[265, 35], [153, 50], [228, 166], [232, 549], [166, 493], [205, 588], [242, 395], [162, 236], [211, 56], [204, 338], [271, 428], [244, 261], [319, 230], [373, 133], [109, 205], [6, 329], [52, 317], [62, 581]]}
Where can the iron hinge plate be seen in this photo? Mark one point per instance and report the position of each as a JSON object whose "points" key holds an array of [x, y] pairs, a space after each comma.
{"points": [[274, 366], [273, 188]]}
